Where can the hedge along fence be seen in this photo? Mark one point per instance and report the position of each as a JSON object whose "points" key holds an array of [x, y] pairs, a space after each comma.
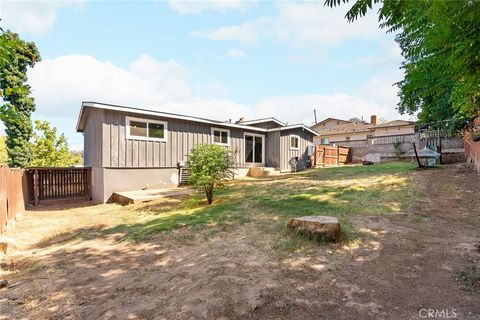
{"points": [[472, 151], [13, 195]]}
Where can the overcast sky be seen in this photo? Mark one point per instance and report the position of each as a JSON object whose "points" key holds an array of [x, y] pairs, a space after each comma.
{"points": [[219, 59]]}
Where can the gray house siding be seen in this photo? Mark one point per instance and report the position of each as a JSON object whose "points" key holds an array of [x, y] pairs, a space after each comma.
{"points": [[182, 136], [272, 153], [286, 154], [121, 164], [92, 139]]}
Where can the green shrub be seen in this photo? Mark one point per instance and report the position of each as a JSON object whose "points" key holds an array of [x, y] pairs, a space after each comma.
{"points": [[210, 166]]}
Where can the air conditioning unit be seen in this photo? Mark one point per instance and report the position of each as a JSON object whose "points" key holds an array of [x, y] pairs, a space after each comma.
{"points": [[310, 151]]}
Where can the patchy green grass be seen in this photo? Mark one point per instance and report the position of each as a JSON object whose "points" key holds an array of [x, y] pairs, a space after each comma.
{"points": [[36, 268], [470, 276], [342, 192]]}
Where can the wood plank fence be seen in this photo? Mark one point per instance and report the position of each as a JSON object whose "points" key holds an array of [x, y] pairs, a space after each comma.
{"points": [[326, 155], [59, 184], [472, 151], [13, 195]]}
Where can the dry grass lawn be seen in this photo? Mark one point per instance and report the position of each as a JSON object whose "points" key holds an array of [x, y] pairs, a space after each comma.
{"points": [[410, 241]]}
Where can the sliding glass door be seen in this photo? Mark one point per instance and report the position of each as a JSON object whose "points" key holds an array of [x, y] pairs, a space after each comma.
{"points": [[254, 150]]}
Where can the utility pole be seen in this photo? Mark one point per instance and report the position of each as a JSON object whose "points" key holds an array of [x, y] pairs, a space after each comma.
{"points": [[315, 115]]}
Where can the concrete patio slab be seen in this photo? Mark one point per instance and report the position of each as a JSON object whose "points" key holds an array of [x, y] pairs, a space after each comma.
{"points": [[139, 196]]}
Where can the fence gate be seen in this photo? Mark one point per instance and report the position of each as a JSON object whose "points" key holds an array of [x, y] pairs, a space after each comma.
{"points": [[326, 155], [59, 184]]}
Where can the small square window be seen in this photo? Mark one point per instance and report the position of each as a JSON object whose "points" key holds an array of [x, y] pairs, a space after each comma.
{"points": [[138, 128], [294, 142], [221, 136], [156, 130]]}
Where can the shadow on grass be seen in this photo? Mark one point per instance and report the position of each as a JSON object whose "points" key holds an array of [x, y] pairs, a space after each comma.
{"points": [[80, 234], [264, 202], [221, 214]]}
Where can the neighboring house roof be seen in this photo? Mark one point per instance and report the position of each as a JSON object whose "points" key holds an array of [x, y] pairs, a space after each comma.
{"points": [[98, 105], [356, 127], [325, 120], [256, 121], [352, 127], [395, 123]]}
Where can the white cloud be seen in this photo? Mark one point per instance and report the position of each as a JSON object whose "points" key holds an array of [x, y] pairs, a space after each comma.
{"points": [[234, 53], [245, 33], [213, 89], [59, 85], [34, 17], [299, 24], [197, 7], [391, 55]]}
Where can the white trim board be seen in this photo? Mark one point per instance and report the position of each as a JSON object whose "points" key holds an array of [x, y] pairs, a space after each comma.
{"points": [[159, 114], [271, 119]]}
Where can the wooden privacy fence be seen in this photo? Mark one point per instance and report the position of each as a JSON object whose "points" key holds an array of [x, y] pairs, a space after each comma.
{"points": [[472, 151], [59, 183], [12, 195], [326, 155]]}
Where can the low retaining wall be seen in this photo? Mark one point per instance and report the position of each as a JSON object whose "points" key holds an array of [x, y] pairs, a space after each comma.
{"points": [[387, 151], [452, 150]]}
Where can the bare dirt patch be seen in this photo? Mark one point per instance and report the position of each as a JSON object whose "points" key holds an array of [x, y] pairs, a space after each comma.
{"points": [[67, 267]]}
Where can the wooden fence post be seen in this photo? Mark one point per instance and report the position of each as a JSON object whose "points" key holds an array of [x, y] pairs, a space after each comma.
{"points": [[36, 188], [338, 154]]}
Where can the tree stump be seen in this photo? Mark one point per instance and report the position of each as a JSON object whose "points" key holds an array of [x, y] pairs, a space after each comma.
{"points": [[317, 226]]}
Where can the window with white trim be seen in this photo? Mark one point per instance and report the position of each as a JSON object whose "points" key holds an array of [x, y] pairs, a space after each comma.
{"points": [[221, 136], [146, 129], [294, 142]]}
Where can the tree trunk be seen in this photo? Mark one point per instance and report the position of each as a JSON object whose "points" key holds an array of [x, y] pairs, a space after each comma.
{"points": [[209, 193]]}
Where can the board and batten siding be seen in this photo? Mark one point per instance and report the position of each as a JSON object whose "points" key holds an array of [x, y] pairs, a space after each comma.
{"points": [[286, 154], [92, 139], [272, 151], [119, 152]]}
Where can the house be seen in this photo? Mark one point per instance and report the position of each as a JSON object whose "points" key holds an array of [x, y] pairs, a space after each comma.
{"points": [[359, 130], [130, 148], [329, 123]]}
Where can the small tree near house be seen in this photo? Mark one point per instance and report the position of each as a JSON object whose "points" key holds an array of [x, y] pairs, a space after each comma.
{"points": [[210, 166]]}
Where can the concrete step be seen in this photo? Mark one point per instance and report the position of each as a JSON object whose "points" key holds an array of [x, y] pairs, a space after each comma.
{"points": [[139, 196], [263, 172]]}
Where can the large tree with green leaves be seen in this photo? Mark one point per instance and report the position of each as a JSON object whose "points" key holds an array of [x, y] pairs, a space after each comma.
{"points": [[440, 43], [50, 149], [16, 57], [3, 151]]}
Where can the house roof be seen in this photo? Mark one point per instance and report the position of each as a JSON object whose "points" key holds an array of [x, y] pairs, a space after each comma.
{"points": [[105, 106], [256, 121], [395, 123], [294, 126], [355, 127], [348, 128], [327, 119]]}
